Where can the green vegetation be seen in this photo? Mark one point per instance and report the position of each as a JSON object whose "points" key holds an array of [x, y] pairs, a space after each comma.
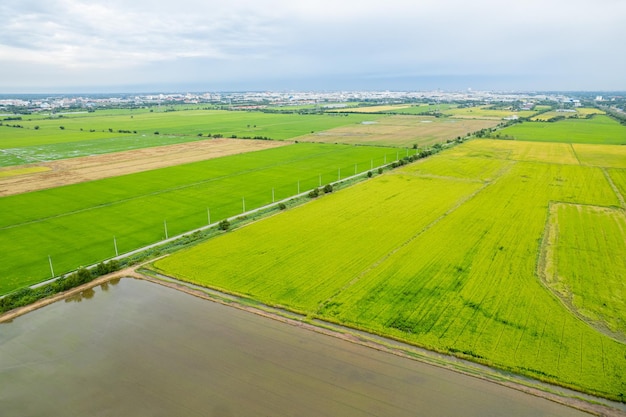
{"points": [[77, 224], [96, 133], [596, 130], [581, 240], [447, 260]]}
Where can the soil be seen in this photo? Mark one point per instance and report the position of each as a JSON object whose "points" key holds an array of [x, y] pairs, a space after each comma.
{"points": [[89, 168]]}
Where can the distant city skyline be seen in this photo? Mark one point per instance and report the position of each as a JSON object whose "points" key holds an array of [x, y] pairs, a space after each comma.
{"points": [[69, 46]]}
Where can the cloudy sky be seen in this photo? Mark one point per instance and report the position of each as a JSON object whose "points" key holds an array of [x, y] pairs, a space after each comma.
{"points": [[211, 45]]}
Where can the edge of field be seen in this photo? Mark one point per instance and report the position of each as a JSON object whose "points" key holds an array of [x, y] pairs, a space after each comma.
{"points": [[580, 401]]}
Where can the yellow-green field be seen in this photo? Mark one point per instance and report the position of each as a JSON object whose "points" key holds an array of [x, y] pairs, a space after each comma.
{"points": [[14, 172], [447, 254]]}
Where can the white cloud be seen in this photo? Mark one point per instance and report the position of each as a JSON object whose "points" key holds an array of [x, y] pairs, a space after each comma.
{"points": [[165, 41]]}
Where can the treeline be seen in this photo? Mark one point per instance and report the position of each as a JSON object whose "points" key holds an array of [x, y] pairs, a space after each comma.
{"points": [[28, 295]]}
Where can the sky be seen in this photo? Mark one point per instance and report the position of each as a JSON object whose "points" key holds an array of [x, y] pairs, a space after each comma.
{"points": [[74, 46]]}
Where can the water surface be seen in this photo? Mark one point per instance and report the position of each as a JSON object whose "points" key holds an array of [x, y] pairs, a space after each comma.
{"points": [[140, 349]]}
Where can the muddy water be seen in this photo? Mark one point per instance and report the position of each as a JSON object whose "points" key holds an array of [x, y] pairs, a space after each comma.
{"points": [[139, 349]]}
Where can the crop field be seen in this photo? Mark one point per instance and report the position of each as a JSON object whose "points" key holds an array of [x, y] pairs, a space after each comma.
{"points": [[400, 130], [33, 177], [580, 240], [77, 224], [597, 130], [607, 156], [579, 112], [447, 260], [89, 134], [484, 112], [396, 109]]}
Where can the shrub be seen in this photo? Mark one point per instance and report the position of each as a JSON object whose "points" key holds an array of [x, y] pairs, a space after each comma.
{"points": [[224, 225], [314, 193], [328, 188], [369, 174], [282, 206], [380, 170]]}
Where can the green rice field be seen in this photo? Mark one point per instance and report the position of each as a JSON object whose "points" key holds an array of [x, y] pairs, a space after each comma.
{"points": [[77, 224], [599, 129], [96, 133], [446, 253]]}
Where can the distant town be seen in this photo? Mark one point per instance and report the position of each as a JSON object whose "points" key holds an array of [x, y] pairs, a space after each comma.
{"points": [[30, 103]]}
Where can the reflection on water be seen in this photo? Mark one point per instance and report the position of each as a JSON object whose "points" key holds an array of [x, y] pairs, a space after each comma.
{"points": [[139, 349]]}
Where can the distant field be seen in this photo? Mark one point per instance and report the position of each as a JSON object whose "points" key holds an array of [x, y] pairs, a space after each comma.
{"points": [[579, 112], [76, 224], [484, 112], [400, 130], [446, 259], [597, 130], [398, 109], [50, 142]]}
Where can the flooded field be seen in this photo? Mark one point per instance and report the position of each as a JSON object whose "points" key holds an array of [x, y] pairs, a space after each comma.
{"points": [[138, 349]]}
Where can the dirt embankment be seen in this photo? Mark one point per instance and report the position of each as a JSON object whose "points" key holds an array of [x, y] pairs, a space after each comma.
{"points": [[89, 168]]}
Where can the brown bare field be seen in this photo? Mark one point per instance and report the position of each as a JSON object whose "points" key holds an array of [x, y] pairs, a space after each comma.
{"points": [[400, 131], [369, 109], [51, 174]]}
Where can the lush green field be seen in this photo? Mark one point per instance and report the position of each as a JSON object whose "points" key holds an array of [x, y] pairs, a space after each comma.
{"points": [[76, 224], [95, 133], [444, 259], [597, 130]]}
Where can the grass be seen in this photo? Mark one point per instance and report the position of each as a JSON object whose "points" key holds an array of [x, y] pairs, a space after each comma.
{"points": [[444, 260], [89, 133], [76, 224], [597, 130]]}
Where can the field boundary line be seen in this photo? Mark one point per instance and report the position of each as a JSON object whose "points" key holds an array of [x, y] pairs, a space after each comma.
{"points": [[382, 259], [571, 145], [618, 194]]}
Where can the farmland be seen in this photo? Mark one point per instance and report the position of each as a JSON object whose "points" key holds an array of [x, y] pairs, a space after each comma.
{"points": [[598, 130], [77, 224], [579, 112], [400, 130], [435, 257], [88, 134], [485, 112], [396, 109], [43, 175]]}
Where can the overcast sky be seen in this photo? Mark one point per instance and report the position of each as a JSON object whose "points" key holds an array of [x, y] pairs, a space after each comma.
{"points": [[210, 45]]}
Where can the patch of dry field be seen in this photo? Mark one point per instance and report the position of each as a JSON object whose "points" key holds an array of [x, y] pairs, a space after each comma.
{"points": [[369, 109], [400, 131], [75, 170]]}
